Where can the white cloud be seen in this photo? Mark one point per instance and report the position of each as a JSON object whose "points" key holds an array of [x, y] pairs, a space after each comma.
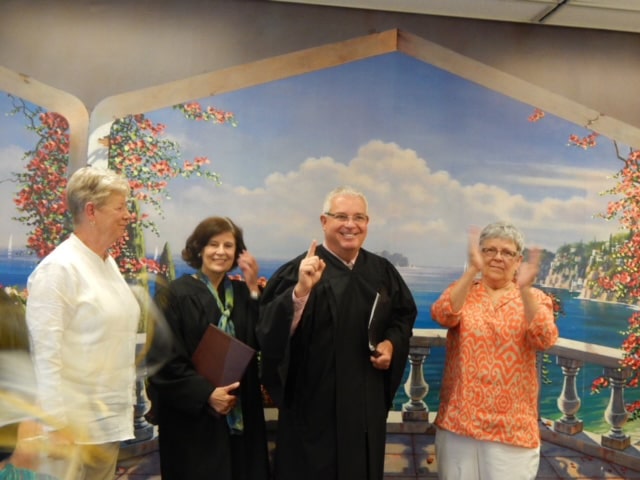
{"points": [[10, 160], [418, 212]]}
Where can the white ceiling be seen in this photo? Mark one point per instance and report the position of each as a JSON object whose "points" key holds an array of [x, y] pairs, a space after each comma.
{"points": [[620, 15]]}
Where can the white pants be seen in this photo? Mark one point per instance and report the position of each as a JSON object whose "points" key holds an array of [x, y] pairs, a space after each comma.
{"points": [[465, 458]]}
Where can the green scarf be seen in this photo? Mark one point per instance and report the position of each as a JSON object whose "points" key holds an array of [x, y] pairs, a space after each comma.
{"points": [[234, 417]]}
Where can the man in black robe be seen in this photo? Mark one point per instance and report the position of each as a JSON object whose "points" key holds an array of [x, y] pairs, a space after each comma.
{"points": [[333, 377]]}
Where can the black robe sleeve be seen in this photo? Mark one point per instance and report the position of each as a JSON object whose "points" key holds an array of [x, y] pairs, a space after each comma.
{"points": [[399, 329], [177, 381], [274, 327]]}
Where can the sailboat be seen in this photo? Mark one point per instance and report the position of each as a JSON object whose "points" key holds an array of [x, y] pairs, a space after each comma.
{"points": [[10, 246]]}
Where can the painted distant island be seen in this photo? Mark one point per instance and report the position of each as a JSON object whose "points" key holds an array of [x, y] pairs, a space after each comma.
{"points": [[397, 259]]}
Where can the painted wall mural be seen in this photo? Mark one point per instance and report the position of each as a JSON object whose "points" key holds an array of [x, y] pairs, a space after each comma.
{"points": [[434, 151]]}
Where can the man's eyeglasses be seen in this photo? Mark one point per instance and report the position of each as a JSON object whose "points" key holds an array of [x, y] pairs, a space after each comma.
{"points": [[358, 218], [505, 253]]}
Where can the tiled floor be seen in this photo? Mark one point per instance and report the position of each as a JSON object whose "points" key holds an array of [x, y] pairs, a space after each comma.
{"points": [[412, 457]]}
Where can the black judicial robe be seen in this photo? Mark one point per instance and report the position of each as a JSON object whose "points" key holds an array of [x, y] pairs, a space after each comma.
{"points": [[195, 443], [332, 403]]}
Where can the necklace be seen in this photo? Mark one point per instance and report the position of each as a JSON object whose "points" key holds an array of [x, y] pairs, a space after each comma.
{"points": [[497, 293]]}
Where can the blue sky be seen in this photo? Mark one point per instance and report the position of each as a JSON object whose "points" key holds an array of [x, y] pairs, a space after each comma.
{"points": [[393, 98], [434, 153]]}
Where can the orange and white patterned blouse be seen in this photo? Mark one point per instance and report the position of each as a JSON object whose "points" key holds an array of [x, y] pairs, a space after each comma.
{"points": [[490, 383]]}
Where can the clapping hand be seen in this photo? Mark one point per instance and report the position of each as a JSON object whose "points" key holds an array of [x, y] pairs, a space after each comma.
{"points": [[528, 271]]}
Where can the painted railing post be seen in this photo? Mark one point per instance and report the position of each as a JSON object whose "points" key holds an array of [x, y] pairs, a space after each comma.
{"points": [[616, 414], [416, 387], [142, 429], [571, 356], [569, 402]]}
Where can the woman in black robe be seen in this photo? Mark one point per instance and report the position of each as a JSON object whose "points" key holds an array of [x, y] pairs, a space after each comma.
{"points": [[210, 431]]}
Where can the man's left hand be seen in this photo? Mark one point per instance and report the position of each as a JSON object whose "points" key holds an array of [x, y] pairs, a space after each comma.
{"points": [[385, 352]]}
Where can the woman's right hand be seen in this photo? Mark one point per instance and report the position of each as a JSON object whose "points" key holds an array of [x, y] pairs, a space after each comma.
{"points": [[221, 400]]}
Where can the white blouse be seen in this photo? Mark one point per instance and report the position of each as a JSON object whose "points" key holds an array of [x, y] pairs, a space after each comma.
{"points": [[82, 319]]}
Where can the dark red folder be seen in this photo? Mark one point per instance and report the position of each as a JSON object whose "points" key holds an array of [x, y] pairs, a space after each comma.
{"points": [[221, 358]]}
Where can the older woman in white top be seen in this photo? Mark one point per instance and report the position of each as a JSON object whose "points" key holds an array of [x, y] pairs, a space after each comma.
{"points": [[82, 319]]}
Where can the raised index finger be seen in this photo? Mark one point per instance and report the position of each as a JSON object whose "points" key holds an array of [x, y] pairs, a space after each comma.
{"points": [[312, 249]]}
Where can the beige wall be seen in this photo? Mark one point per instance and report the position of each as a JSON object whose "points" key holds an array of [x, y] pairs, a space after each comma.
{"points": [[93, 49]]}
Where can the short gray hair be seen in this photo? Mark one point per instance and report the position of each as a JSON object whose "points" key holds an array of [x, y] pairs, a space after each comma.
{"points": [[503, 230], [93, 184], [344, 191]]}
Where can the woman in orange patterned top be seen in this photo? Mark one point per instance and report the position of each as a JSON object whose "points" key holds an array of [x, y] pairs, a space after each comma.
{"points": [[488, 415]]}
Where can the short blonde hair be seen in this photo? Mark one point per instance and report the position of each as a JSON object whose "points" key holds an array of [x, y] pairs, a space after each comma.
{"points": [[93, 184]]}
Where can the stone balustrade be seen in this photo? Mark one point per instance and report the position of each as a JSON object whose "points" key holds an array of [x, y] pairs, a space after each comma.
{"points": [[570, 356], [567, 430]]}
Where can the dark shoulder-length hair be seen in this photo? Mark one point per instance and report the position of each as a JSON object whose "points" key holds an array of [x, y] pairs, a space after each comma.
{"points": [[207, 228]]}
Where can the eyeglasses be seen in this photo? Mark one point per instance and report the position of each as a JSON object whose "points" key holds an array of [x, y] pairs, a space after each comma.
{"points": [[358, 218], [504, 253]]}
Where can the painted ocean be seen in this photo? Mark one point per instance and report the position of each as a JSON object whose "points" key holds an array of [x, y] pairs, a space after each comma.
{"points": [[584, 320]]}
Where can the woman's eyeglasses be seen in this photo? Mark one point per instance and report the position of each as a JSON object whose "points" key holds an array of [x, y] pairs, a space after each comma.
{"points": [[504, 253]]}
